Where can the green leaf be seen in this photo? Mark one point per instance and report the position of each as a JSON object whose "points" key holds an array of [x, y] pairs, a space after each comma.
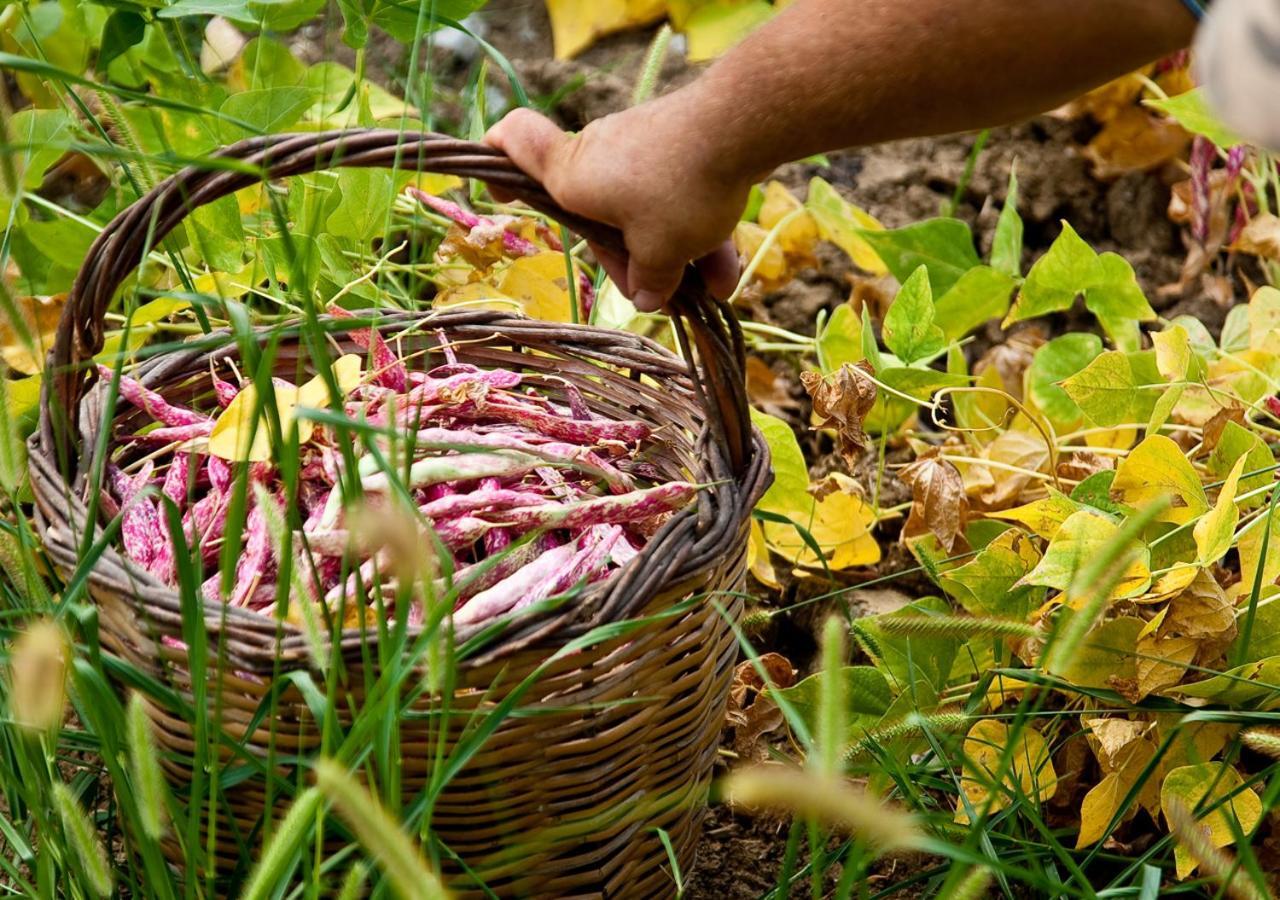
{"points": [[982, 294], [269, 64], [37, 137], [1235, 330], [124, 29], [870, 349], [1095, 491], [363, 210], [355, 23], [217, 234], [840, 342], [405, 21], [865, 690], [943, 246], [235, 10], [1118, 301], [1116, 388], [1055, 362], [1264, 638], [1192, 113], [987, 585], [1067, 268], [1239, 686], [909, 330], [267, 111], [1006, 247], [284, 15], [908, 660], [789, 493], [1234, 443]]}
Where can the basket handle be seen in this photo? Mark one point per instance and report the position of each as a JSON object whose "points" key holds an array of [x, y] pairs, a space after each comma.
{"points": [[118, 250]]}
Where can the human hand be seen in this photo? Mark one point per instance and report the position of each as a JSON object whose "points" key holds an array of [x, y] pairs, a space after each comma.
{"points": [[648, 172]]}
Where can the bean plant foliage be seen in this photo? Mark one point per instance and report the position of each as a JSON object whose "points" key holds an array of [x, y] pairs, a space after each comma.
{"points": [[1096, 513], [1076, 695]]}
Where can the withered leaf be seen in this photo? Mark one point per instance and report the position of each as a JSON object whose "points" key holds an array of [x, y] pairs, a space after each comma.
{"points": [[1012, 358], [1261, 237], [75, 182], [752, 712], [938, 502], [1217, 424], [25, 342], [1135, 141], [766, 390], [842, 400]]}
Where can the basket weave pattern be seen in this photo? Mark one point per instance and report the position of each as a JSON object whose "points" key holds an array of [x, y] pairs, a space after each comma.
{"points": [[612, 741]]}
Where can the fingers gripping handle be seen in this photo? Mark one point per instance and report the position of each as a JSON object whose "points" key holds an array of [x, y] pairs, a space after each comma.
{"points": [[121, 246]]}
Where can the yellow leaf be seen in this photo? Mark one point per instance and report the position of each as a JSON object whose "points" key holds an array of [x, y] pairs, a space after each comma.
{"points": [[435, 183], [234, 435], [1250, 548], [1214, 531], [1264, 316], [1112, 438], [716, 25], [1162, 663], [1043, 517], [25, 343], [1134, 141], [1098, 808], [838, 222], [1027, 771], [1208, 785], [1080, 539], [346, 372], [840, 523], [758, 558], [476, 295], [1173, 352], [799, 237], [772, 271], [1156, 469], [577, 24], [1172, 582], [540, 285]]}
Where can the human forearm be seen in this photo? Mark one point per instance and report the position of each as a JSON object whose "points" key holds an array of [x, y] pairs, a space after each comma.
{"points": [[827, 74], [673, 174]]}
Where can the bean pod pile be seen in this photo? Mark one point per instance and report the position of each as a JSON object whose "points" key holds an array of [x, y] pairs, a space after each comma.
{"points": [[514, 496]]}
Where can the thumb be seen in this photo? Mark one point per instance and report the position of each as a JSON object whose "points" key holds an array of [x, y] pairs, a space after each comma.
{"points": [[652, 284], [531, 140]]}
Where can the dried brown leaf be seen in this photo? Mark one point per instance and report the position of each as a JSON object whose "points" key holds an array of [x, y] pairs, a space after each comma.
{"points": [[766, 391], [75, 182], [1135, 141], [842, 400], [1214, 427], [1261, 237], [939, 505]]}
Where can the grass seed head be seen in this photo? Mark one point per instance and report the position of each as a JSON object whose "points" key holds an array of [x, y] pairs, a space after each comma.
{"points": [[38, 667]]}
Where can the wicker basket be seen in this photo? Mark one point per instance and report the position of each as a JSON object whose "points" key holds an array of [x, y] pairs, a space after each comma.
{"points": [[615, 740]]}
